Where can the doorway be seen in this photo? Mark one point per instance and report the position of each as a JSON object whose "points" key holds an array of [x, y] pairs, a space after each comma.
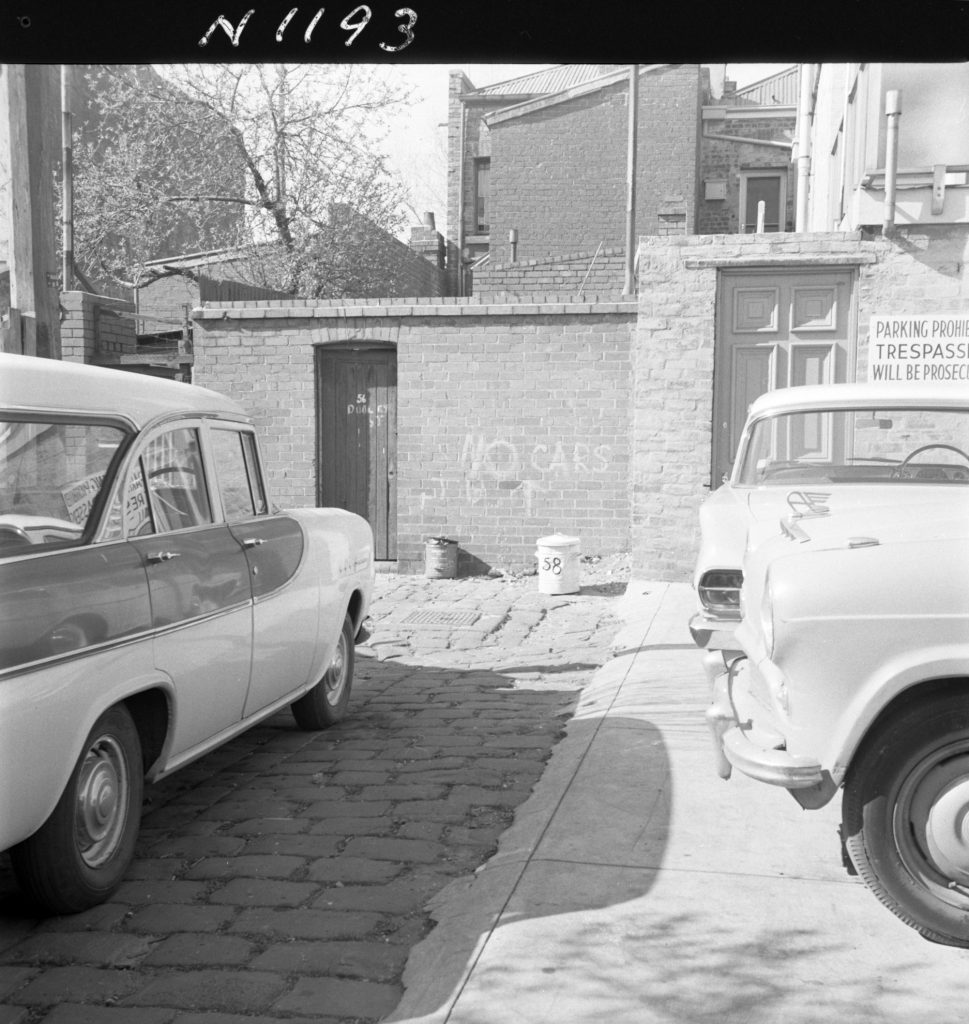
{"points": [[776, 329], [356, 386]]}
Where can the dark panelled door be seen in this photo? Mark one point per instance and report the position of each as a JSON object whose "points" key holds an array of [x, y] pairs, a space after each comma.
{"points": [[357, 440], [776, 329]]}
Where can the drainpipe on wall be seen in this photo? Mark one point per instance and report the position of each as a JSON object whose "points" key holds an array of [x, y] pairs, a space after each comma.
{"points": [[630, 287], [845, 109], [461, 204], [893, 110], [805, 113]]}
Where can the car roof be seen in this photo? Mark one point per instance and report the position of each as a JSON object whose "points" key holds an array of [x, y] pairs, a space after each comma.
{"points": [[847, 396], [29, 383]]}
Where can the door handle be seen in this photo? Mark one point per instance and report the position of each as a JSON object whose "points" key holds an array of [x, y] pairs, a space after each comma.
{"points": [[253, 542], [162, 556]]}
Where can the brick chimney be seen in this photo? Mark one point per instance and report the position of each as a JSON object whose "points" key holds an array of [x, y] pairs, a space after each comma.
{"points": [[426, 240]]}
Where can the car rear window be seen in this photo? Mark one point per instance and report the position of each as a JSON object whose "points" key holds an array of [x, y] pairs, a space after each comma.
{"points": [[52, 476]]}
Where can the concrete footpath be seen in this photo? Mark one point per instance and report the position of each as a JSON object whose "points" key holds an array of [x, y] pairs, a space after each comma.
{"points": [[636, 886]]}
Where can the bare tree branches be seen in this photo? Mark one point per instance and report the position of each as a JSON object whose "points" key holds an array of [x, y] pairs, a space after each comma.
{"points": [[251, 158]]}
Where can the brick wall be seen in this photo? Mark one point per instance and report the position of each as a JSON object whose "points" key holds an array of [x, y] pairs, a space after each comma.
{"points": [[722, 157], [93, 328], [513, 421], [673, 354], [400, 271], [464, 145], [923, 270], [518, 419], [167, 299], [558, 174], [587, 273]]}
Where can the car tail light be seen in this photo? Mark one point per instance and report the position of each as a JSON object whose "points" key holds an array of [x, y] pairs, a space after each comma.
{"points": [[719, 592]]}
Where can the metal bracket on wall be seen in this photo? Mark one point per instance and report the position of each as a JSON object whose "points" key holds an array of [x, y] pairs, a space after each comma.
{"points": [[938, 188]]}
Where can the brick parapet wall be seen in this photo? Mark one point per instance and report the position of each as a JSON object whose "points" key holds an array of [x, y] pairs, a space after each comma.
{"points": [[93, 329], [673, 354], [513, 419], [166, 299], [473, 306], [595, 273]]}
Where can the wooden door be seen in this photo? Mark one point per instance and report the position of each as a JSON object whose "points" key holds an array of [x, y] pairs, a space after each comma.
{"points": [[357, 436], [776, 329]]}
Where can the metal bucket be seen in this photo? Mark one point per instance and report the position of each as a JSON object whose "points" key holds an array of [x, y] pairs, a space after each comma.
{"points": [[441, 558], [558, 564]]}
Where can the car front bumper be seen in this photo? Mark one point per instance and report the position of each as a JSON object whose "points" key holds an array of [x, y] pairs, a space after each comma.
{"points": [[744, 738], [714, 634]]}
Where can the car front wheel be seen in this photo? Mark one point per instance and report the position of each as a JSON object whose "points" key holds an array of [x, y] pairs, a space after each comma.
{"points": [[79, 856], [326, 704], [906, 817]]}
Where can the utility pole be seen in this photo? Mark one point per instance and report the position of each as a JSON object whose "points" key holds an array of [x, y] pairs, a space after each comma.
{"points": [[30, 110], [67, 180]]}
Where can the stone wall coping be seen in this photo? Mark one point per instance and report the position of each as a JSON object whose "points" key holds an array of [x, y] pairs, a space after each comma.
{"points": [[239, 311], [774, 239], [75, 299], [781, 260]]}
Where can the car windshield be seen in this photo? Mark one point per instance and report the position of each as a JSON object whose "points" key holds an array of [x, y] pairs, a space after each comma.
{"points": [[858, 446], [51, 476]]}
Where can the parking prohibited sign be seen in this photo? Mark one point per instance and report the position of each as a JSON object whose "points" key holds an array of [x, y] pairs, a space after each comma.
{"points": [[919, 348]]}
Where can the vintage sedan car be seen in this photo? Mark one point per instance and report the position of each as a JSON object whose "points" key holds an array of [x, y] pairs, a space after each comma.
{"points": [[153, 604], [855, 674], [808, 449]]}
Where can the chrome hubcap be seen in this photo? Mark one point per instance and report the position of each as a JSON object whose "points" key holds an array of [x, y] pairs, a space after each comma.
{"points": [[102, 799], [336, 674], [943, 798]]}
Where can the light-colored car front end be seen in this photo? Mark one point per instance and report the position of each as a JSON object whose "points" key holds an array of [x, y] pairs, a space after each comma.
{"points": [[842, 616]]}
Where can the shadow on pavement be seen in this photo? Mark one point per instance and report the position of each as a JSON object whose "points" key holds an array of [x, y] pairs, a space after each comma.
{"points": [[286, 863]]}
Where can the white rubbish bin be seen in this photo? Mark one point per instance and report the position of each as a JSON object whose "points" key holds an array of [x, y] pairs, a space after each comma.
{"points": [[558, 564]]}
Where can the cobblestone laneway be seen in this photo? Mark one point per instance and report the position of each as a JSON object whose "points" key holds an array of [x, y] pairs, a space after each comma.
{"points": [[283, 877]]}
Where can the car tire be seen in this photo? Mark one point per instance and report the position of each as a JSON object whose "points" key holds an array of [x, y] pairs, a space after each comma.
{"points": [[326, 704], [905, 816], [79, 856]]}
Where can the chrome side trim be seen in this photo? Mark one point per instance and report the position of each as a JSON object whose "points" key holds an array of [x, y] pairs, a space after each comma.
{"points": [[143, 635]]}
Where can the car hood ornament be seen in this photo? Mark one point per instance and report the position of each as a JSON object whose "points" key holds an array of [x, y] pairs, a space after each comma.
{"points": [[808, 503]]}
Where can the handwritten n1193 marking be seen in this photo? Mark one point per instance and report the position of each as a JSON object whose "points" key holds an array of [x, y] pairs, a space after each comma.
{"points": [[354, 23]]}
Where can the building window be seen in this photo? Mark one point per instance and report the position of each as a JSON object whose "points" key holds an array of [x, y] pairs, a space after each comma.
{"points": [[482, 198], [769, 188]]}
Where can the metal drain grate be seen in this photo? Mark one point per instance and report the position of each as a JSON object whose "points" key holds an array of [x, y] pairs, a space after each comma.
{"points": [[435, 618]]}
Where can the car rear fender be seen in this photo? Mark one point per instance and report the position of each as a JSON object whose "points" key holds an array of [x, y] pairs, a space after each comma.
{"points": [[73, 695]]}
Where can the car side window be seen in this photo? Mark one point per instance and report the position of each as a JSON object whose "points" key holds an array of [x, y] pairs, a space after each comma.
{"points": [[237, 471], [130, 513], [177, 492], [52, 475], [255, 474]]}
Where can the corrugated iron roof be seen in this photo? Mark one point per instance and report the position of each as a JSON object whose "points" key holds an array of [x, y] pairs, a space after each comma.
{"points": [[776, 90], [549, 80]]}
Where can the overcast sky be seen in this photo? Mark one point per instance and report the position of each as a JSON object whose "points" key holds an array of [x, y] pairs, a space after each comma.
{"points": [[419, 138]]}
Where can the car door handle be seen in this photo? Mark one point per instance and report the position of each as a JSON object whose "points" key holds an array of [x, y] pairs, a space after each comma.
{"points": [[162, 556], [253, 542]]}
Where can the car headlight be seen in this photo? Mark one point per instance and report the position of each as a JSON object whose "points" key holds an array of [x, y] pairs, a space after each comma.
{"points": [[719, 591], [767, 617]]}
